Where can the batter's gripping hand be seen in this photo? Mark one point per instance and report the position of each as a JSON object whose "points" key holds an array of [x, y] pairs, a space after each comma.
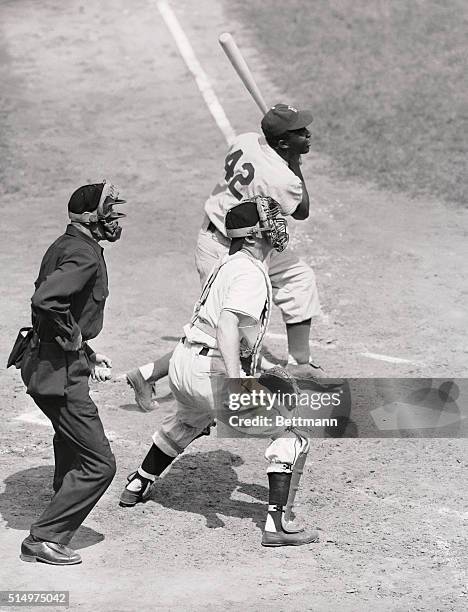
{"points": [[278, 380]]}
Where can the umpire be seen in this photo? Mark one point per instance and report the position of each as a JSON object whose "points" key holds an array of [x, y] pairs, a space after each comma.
{"points": [[67, 311]]}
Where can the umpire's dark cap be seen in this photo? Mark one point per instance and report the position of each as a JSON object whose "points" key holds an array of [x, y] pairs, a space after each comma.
{"points": [[283, 118], [85, 199]]}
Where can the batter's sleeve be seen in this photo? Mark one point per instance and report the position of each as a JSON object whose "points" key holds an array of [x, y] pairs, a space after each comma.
{"points": [[287, 192]]}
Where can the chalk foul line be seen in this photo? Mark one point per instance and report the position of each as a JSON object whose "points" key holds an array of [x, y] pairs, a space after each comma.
{"points": [[201, 78]]}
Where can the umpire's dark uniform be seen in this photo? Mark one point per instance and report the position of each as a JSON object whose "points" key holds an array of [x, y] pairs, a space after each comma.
{"points": [[70, 295]]}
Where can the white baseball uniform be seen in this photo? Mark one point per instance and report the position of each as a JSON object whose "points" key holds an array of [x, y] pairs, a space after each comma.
{"points": [[198, 380], [252, 168]]}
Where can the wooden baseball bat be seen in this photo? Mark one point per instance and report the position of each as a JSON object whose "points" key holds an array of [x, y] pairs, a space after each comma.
{"points": [[236, 58]]}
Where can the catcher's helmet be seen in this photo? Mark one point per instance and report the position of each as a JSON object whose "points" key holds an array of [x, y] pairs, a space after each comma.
{"points": [[256, 216]]}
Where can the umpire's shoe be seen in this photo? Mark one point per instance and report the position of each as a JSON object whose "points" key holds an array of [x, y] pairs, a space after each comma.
{"points": [[281, 538], [310, 374], [33, 550], [138, 490], [143, 391]]}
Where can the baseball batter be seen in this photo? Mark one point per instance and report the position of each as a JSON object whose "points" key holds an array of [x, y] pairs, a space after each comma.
{"points": [[231, 317], [267, 165]]}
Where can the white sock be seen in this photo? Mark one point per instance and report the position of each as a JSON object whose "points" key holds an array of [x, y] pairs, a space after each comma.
{"points": [[135, 485], [146, 475], [266, 364], [147, 370], [293, 361], [270, 523]]}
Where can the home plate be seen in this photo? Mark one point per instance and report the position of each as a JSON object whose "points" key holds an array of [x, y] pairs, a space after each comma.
{"points": [[402, 415]]}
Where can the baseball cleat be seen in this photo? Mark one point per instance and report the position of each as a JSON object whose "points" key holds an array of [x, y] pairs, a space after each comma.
{"points": [[313, 375], [138, 490], [281, 538], [143, 391]]}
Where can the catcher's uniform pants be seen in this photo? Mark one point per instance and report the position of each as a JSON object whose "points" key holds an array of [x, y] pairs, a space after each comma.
{"points": [[84, 463], [198, 383], [293, 281]]}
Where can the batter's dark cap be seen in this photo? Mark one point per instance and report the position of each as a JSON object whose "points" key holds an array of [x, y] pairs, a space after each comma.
{"points": [[283, 118], [85, 199], [242, 215]]}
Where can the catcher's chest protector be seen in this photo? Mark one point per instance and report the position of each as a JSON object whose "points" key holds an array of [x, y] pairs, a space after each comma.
{"points": [[264, 318]]}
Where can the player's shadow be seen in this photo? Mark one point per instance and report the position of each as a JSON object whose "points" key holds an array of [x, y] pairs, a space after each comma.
{"points": [[131, 408], [26, 495], [203, 483]]}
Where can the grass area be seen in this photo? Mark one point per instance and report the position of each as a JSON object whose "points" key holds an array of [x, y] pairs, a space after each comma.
{"points": [[386, 80]]}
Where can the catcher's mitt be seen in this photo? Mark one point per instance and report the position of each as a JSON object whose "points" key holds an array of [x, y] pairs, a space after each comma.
{"points": [[278, 380]]}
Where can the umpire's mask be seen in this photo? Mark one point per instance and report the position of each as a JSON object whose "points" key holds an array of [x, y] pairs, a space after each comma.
{"points": [[93, 206]]}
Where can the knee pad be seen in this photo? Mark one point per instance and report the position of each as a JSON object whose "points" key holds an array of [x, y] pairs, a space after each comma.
{"points": [[283, 453]]}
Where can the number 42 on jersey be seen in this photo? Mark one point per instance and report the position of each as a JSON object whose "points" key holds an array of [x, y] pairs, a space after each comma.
{"points": [[244, 176]]}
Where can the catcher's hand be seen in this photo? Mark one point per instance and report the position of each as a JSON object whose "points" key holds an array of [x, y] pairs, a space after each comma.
{"points": [[278, 380]]}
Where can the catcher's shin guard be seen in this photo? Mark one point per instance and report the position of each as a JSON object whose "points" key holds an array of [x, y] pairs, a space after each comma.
{"points": [[275, 534], [297, 471], [141, 483], [156, 461]]}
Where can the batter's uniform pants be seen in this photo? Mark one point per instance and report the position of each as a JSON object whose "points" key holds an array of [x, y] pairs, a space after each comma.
{"points": [[198, 383], [84, 462], [293, 281]]}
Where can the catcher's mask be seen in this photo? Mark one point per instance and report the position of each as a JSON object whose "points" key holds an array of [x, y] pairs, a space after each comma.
{"points": [[93, 205], [258, 216]]}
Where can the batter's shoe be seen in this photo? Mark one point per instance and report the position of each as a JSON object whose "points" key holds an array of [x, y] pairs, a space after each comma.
{"points": [[281, 538], [143, 391], [313, 375], [33, 550], [138, 490]]}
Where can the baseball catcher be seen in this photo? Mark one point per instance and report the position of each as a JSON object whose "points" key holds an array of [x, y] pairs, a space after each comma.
{"points": [[229, 320]]}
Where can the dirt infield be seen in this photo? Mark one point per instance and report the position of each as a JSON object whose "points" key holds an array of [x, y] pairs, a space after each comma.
{"points": [[98, 89]]}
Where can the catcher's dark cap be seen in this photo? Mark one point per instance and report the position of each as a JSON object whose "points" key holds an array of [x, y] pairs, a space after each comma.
{"points": [[283, 118], [85, 199], [242, 215]]}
